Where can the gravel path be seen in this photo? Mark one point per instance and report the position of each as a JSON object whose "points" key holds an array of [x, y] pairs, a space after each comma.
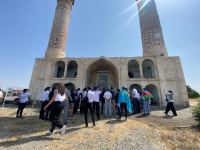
{"points": [[134, 134]]}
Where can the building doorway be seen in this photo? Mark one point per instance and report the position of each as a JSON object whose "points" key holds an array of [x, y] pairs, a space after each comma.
{"points": [[102, 74], [103, 79]]}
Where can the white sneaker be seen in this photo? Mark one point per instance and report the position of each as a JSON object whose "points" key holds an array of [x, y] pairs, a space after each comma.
{"points": [[63, 129]]}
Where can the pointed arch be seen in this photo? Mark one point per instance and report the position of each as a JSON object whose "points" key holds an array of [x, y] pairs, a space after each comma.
{"points": [[102, 73]]}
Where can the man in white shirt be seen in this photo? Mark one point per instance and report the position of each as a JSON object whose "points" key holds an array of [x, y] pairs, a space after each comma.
{"points": [[108, 105], [91, 99], [23, 99], [135, 101], [45, 99], [96, 102]]}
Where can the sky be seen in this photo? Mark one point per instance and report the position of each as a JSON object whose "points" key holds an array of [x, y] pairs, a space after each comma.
{"points": [[97, 28]]}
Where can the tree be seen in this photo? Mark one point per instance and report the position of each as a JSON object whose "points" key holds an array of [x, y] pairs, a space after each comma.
{"points": [[192, 93]]}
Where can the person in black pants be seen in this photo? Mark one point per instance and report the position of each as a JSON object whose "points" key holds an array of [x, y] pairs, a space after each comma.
{"points": [[102, 99], [45, 99], [23, 99], [74, 97], [51, 94], [77, 100], [116, 101], [84, 93], [96, 102], [57, 107], [123, 106], [87, 104], [170, 103]]}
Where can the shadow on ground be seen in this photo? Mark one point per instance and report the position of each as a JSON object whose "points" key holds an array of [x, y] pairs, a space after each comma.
{"points": [[21, 141]]}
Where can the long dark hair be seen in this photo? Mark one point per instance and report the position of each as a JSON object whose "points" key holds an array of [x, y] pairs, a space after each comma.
{"points": [[60, 87]]}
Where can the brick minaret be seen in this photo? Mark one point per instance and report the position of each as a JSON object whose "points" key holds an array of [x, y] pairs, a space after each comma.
{"points": [[151, 31], [57, 40]]}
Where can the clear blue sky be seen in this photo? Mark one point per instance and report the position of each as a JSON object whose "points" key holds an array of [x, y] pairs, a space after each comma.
{"points": [[97, 28]]}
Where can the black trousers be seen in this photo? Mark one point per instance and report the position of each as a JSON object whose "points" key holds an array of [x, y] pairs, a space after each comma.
{"points": [[56, 110], [21, 107], [170, 106], [81, 107], [123, 106], [85, 110], [42, 111], [136, 105], [76, 104], [96, 109], [102, 106]]}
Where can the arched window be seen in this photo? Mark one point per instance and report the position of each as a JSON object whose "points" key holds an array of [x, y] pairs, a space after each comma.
{"points": [[148, 67], [59, 69], [72, 69], [154, 91], [133, 69]]}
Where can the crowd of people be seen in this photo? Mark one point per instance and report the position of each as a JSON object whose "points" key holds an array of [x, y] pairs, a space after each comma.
{"points": [[104, 103]]}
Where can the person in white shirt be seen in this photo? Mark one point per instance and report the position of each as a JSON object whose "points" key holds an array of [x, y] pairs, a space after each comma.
{"points": [[1, 96], [23, 99], [97, 93], [57, 107], [135, 101], [108, 105], [45, 99], [88, 101]]}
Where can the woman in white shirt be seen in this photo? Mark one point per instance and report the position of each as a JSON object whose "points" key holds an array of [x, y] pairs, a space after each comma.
{"points": [[56, 101], [23, 99]]}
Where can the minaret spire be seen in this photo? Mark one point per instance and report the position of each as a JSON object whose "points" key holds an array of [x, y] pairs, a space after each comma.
{"points": [[57, 41], [151, 32]]}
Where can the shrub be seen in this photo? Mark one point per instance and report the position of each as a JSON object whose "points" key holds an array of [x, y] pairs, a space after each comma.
{"points": [[196, 113]]}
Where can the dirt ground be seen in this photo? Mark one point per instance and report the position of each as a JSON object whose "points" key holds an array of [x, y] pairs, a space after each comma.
{"points": [[149, 133]]}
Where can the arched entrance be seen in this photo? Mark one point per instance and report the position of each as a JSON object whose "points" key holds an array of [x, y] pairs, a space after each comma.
{"points": [[70, 86], [102, 74], [135, 86], [154, 91]]}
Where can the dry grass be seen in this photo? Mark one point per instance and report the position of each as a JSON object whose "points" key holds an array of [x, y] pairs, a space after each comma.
{"points": [[18, 132]]}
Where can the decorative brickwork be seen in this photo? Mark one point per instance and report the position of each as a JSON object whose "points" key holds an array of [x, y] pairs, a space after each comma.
{"points": [[57, 40], [151, 31]]}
